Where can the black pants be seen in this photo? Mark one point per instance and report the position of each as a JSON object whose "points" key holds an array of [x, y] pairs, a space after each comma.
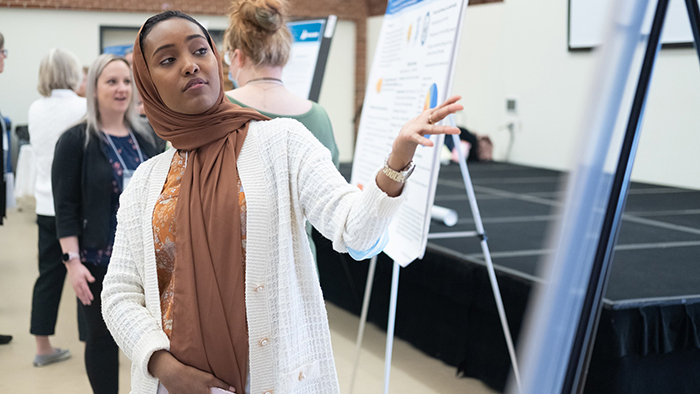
{"points": [[49, 285], [101, 352]]}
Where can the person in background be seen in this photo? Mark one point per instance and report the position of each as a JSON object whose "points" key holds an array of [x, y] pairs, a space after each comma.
{"points": [[81, 89], [92, 165], [129, 57], [160, 144], [60, 74], [480, 146], [3, 55], [5, 142], [257, 44]]}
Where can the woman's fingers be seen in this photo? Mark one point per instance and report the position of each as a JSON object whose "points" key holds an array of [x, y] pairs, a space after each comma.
{"points": [[79, 277], [440, 129], [85, 288], [83, 297], [85, 294], [214, 382], [449, 101], [420, 140], [441, 113]]}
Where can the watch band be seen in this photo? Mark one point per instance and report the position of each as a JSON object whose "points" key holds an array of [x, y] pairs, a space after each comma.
{"points": [[70, 256], [398, 176]]}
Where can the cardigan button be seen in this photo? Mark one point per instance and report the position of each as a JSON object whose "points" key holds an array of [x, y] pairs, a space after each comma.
{"points": [[260, 288], [302, 376], [268, 392], [264, 342]]}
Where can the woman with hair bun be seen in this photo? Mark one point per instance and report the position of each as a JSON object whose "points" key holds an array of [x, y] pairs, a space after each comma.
{"points": [[257, 44]]}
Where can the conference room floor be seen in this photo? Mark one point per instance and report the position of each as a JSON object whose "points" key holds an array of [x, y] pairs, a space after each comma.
{"points": [[412, 371]]}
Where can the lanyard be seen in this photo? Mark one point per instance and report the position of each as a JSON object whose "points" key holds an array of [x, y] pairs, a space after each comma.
{"points": [[114, 148]]}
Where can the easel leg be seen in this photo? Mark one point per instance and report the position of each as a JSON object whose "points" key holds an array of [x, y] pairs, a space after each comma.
{"points": [[363, 320], [390, 327], [487, 255]]}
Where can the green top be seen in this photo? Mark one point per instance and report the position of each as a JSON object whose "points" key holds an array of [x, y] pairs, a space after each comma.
{"points": [[316, 120]]}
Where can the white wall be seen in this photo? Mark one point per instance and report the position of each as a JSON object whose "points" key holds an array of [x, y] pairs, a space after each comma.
{"points": [[338, 89], [29, 34], [518, 49]]}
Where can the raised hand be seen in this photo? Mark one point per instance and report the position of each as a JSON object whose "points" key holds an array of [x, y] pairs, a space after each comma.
{"points": [[412, 133]]}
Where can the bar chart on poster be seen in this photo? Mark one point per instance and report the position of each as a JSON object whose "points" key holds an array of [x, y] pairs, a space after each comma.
{"points": [[412, 71]]}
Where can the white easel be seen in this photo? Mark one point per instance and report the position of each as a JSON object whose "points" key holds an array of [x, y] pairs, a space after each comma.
{"points": [[395, 282]]}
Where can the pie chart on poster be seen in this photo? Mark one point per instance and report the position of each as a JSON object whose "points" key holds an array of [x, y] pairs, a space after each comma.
{"points": [[431, 98]]}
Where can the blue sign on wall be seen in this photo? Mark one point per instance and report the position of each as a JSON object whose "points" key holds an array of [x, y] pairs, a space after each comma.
{"points": [[307, 31], [118, 50]]}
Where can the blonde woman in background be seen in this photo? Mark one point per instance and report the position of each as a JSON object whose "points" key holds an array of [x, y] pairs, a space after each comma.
{"points": [[257, 44], [60, 74], [93, 163]]}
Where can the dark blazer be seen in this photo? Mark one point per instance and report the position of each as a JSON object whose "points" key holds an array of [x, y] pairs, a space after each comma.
{"points": [[81, 179]]}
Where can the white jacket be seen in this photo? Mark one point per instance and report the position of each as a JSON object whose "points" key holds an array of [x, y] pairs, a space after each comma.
{"points": [[287, 176], [48, 118]]}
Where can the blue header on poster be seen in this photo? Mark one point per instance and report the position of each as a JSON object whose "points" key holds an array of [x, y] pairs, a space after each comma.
{"points": [[396, 6], [308, 31]]}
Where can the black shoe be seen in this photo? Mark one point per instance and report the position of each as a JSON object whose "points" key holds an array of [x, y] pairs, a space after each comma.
{"points": [[5, 339]]}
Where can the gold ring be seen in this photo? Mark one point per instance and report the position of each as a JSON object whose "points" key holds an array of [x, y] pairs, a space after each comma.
{"points": [[430, 119]]}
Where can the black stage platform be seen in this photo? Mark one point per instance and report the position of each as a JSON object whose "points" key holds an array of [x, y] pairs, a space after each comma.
{"points": [[649, 336]]}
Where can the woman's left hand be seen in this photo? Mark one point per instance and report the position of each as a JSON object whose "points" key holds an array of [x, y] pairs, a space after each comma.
{"points": [[412, 133]]}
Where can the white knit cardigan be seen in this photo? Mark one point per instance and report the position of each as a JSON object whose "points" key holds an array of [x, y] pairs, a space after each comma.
{"points": [[287, 176]]}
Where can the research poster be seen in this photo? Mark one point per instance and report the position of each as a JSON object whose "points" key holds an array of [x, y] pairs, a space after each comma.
{"points": [[412, 71], [307, 52]]}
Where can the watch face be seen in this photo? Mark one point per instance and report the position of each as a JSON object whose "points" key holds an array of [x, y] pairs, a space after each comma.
{"points": [[409, 171], [65, 257]]}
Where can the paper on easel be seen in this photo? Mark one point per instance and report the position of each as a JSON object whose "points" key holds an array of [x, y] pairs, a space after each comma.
{"points": [[412, 71], [298, 73]]}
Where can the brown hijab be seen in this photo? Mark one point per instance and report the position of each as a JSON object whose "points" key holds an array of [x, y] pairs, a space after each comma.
{"points": [[210, 331]]}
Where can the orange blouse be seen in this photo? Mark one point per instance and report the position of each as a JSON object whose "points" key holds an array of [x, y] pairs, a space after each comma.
{"points": [[164, 235]]}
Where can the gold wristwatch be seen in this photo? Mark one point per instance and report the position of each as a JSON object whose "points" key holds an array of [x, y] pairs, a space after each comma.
{"points": [[401, 175]]}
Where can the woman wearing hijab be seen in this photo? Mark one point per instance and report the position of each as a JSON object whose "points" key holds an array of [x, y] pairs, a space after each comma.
{"points": [[92, 165], [212, 284]]}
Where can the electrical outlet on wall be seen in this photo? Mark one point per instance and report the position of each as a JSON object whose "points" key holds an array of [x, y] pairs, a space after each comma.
{"points": [[512, 113], [511, 106], [511, 126]]}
